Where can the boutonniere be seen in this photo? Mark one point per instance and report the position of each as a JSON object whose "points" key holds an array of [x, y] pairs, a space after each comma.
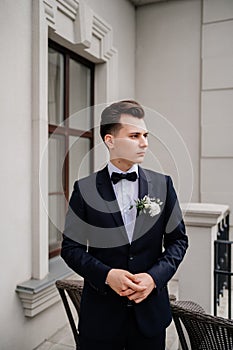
{"points": [[152, 206]]}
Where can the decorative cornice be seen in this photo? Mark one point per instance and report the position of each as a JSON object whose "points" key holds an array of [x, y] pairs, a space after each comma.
{"points": [[83, 25], [68, 8], [89, 30], [144, 2], [104, 33], [50, 10]]}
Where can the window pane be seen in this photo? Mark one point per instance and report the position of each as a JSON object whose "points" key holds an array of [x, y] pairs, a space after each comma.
{"points": [[80, 96], [55, 87], [56, 196], [56, 220], [56, 162], [79, 159]]}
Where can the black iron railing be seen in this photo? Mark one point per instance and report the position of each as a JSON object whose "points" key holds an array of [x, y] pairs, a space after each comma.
{"points": [[222, 264]]}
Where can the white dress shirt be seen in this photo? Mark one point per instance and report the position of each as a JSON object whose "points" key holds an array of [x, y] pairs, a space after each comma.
{"points": [[126, 193]]}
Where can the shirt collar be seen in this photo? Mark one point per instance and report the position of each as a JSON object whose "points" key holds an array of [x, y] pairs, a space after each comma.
{"points": [[112, 168]]}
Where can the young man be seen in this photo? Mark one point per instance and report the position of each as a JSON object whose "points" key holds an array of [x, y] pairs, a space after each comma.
{"points": [[125, 245]]}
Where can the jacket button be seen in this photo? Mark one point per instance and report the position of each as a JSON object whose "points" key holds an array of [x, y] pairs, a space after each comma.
{"points": [[131, 257]]}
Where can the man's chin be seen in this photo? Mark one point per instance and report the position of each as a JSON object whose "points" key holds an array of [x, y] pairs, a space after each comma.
{"points": [[140, 159]]}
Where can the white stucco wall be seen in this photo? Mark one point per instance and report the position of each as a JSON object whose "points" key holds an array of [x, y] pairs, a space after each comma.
{"points": [[121, 15], [16, 331], [15, 131], [168, 79], [217, 103]]}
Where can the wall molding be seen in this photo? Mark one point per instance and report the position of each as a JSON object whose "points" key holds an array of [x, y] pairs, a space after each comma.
{"points": [[89, 30], [38, 295], [35, 303]]}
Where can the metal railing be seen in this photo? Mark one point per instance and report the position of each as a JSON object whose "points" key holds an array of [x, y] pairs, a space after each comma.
{"points": [[222, 264]]}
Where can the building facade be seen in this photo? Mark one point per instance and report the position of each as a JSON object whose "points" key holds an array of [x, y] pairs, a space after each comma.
{"points": [[58, 58]]}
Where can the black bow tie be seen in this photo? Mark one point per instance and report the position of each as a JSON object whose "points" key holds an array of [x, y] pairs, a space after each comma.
{"points": [[116, 177]]}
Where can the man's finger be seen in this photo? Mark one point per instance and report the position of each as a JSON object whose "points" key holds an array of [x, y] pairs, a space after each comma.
{"points": [[135, 287], [137, 296], [127, 292], [137, 301]]}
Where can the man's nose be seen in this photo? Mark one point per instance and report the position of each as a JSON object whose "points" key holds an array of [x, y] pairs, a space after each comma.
{"points": [[143, 142]]}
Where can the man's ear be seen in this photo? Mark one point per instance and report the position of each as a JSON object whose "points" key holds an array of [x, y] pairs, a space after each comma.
{"points": [[109, 141]]}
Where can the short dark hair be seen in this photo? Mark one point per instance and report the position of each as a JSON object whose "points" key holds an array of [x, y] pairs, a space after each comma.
{"points": [[111, 115]]}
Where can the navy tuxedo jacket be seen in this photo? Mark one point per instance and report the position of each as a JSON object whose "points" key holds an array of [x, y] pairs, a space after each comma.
{"points": [[95, 241]]}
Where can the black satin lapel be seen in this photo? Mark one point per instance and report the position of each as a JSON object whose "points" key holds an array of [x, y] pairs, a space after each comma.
{"points": [[104, 186], [145, 187], [143, 184]]}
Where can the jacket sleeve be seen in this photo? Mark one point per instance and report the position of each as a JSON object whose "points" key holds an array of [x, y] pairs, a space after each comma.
{"points": [[175, 240], [75, 245]]}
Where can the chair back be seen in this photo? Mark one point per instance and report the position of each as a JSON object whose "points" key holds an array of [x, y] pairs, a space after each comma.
{"points": [[205, 332], [72, 288]]}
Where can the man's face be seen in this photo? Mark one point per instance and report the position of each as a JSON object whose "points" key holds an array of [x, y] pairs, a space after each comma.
{"points": [[129, 144]]}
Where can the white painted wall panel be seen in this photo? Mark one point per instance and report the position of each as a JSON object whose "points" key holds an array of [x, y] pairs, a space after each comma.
{"points": [[217, 102], [218, 73], [217, 140], [216, 10], [217, 55], [217, 107], [217, 175], [217, 39]]}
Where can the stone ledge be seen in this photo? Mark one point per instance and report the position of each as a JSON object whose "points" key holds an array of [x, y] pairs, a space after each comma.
{"points": [[38, 295], [204, 214]]}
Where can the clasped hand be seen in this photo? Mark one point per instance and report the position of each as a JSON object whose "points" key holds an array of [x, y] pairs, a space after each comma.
{"points": [[135, 287]]}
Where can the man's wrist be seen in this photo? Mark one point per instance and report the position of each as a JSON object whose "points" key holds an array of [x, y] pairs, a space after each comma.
{"points": [[106, 281], [152, 280]]}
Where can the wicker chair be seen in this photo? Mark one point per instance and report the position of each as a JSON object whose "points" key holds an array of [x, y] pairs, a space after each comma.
{"points": [[73, 288], [205, 332]]}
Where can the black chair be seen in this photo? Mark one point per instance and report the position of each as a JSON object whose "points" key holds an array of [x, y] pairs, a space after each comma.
{"points": [[205, 332], [72, 288]]}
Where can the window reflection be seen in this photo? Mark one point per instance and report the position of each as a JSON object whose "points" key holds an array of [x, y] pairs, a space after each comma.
{"points": [[55, 87]]}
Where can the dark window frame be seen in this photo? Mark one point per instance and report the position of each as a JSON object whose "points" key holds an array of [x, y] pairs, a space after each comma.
{"points": [[65, 130]]}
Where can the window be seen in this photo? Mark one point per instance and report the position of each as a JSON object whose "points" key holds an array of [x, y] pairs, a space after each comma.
{"points": [[70, 93]]}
